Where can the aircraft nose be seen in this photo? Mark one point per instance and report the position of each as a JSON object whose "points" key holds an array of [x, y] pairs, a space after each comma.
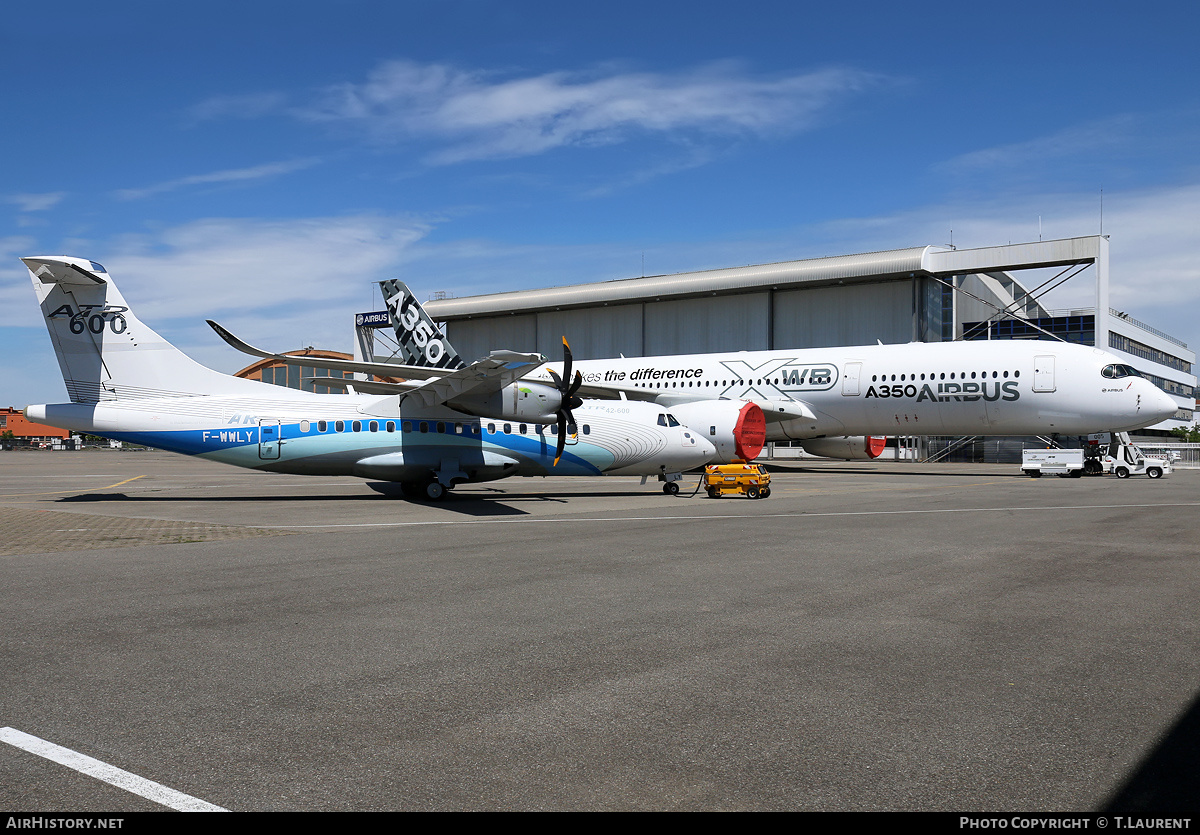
{"points": [[705, 451], [1162, 404]]}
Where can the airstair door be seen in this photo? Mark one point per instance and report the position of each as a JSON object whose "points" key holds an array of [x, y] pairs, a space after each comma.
{"points": [[268, 439], [1043, 373]]}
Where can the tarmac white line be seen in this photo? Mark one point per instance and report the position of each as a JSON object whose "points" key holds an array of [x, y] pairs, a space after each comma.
{"points": [[107, 773], [715, 518]]}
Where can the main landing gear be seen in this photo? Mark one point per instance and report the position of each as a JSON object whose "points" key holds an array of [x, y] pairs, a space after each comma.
{"points": [[433, 491]]}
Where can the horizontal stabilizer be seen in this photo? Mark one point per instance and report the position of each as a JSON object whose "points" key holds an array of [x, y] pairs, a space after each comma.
{"points": [[66, 270]]}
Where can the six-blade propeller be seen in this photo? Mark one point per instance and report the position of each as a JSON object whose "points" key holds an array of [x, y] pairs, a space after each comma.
{"points": [[569, 400]]}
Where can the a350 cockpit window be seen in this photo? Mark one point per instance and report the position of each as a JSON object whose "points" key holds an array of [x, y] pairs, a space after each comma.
{"points": [[1115, 371]]}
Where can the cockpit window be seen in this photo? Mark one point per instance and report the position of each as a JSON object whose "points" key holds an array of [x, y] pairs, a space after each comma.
{"points": [[1115, 372], [671, 420], [98, 268]]}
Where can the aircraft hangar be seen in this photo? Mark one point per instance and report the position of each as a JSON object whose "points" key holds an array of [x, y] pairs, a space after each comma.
{"points": [[917, 294]]}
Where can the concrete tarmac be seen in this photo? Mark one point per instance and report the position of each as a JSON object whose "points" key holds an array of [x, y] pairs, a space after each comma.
{"points": [[872, 637]]}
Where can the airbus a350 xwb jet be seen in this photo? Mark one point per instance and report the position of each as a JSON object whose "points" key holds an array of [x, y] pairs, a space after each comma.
{"points": [[840, 402]]}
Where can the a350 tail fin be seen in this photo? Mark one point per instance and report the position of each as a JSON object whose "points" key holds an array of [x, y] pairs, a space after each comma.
{"points": [[421, 343], [104, 350]]}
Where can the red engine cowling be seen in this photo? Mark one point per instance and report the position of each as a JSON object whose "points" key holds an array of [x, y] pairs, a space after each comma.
{"points": [[736, 428], [858, 448]]}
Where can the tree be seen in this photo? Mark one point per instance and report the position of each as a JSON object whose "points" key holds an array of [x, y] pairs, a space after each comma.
{"points": [[1190, 435]]}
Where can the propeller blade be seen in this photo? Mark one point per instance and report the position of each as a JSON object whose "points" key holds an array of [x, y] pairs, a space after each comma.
{"points": [[562, 436], [568, 359]]}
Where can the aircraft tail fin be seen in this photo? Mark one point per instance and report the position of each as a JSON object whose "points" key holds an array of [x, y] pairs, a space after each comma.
{"points": [[104, 351], [421, 342]]}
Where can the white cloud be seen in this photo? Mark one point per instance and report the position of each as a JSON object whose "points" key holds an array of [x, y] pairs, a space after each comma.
{"points": [[248, 106], [1066, 144], [36, 202], [485, 118], [232, 175], [280, 284]]}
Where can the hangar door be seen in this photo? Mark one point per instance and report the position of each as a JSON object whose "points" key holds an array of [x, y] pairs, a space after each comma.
{"points": [[704, 325]]}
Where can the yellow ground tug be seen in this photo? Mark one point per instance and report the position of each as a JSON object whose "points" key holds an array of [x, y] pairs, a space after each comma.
{"points": [[751, 480]]}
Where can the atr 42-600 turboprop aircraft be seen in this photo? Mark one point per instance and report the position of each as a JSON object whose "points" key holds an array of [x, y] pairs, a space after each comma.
{"points": [[477, 422], [837, 402]]}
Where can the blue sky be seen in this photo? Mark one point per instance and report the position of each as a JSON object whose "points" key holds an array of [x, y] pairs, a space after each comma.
{"points": [[263, 163]]}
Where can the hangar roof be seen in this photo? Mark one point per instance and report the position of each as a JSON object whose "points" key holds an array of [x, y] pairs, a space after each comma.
{"points": [[841, 269]]}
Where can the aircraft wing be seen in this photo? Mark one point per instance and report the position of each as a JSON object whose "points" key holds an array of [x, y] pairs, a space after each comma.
{"points": [[778, 411], [495, 371], [363, 386], [611, 392], [382, 369], [492, 373], [775, 411]]}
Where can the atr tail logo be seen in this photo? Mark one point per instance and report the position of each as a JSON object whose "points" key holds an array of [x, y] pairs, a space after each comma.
{"points": [[421, 343], [94, 317]]}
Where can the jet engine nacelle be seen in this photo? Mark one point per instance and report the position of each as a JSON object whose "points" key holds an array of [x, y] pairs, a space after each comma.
{"points": [[857, 448], [736, 428], [520, 401]]}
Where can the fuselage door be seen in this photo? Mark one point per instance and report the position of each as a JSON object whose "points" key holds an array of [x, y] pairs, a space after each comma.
{"points": [[268, 439], [850, 375], [1043, 373]]}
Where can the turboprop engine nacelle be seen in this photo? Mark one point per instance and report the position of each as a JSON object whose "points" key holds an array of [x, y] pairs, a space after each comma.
{"points": [[521, 401], [857, 448], [736, 428]]}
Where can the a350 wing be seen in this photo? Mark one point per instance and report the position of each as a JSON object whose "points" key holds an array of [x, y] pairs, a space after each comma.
{"points": [[775, 411]]}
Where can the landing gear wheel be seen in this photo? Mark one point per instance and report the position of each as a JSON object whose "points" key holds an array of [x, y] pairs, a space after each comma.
{"points": [[751, 492], [1092, 467], [1154, 472], [434, 491], [1122, 472], [671, 488]]}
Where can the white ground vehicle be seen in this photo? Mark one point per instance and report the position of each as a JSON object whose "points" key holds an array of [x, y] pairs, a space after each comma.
{"points": [[1124, 460], [1060, 462]]}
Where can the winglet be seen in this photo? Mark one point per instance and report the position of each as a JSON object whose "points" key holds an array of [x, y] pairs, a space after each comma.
{"points": [[234, 342]]}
